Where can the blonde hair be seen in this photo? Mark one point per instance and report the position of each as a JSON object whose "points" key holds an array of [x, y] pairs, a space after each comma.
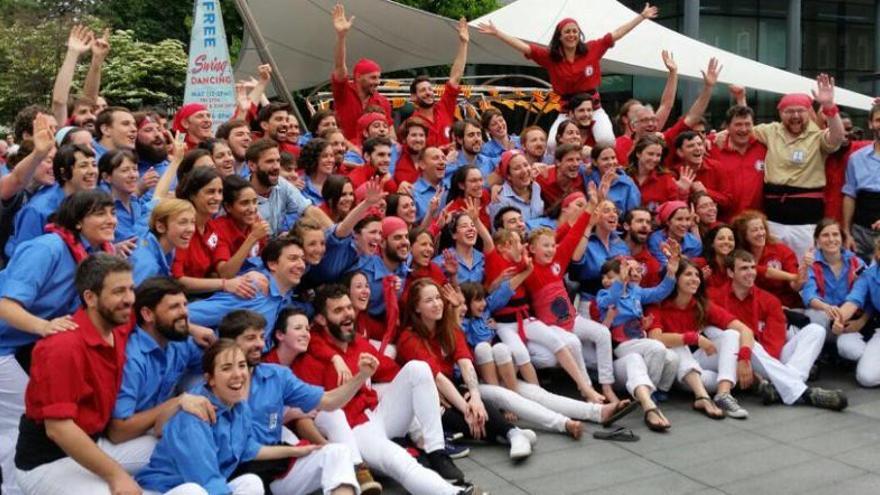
{"points": [[541, 231], [503, 236], [166, 209]]}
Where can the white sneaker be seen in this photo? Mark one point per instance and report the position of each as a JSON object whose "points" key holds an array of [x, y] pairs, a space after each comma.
{"points": [[520, 444], [730, 406], [531, 435]]}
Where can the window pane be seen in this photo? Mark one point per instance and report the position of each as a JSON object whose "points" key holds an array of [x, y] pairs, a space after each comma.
{"points": [[772, 42], [734, 34]]}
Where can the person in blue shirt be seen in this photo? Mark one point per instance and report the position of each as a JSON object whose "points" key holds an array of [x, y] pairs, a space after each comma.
{"points": [[151, 150], [75, 170], [462, 234], [495, 126], [392, 262], [623, 192], [429, 186], [646, 367], [318, 160], [519, 188], [272, 389], [159, 353], [861, 194], [468, 145], [284, 262], [172, 224], [195, 453], [677, 222], [38, 297], [119, 176], [603, 244]]}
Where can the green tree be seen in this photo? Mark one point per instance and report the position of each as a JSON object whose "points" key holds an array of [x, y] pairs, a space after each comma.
{"points": [[454, 9]]}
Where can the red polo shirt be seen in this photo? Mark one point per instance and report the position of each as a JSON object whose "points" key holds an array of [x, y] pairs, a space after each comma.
{"points": [[552, 192], [778, 255], [583, 74], [440, 122], [715, 179], [657, 189], [760, 310], [744, 175], [197, 260], [361, 174], [672, 319], [230, 238], [411, 347], [349, 107], [76, 375], [835, 175], [405, 170]]}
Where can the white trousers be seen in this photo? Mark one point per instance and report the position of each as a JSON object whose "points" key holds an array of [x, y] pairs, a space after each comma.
{"points": [[65, 476], [596, 339], [789, 373], [660, 365], [498, 353], [411, 395], [852, 346], [335, 428], [798, 237], [603, 130], [716, 368], [13, 382], [544, 341], [325, 469], [246, 484]]}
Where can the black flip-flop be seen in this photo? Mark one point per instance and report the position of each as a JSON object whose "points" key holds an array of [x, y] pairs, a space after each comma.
{"points": [[704, 411], [653, 426], [620, 412], [619, 434]]}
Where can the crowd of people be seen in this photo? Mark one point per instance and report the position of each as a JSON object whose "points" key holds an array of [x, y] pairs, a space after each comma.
{"points": [[274, 309]]}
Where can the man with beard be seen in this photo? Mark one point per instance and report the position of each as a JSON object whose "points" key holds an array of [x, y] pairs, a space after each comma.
{"points": [[468, 142], [273, 122], [74, 381], [276, 198], [377, 153], [409, 393], [158, 355], [415, 134], [284, 262], [371, 125], [193, 120], [741, 156], [439, 116], [794, 176], [237, 135], [394, 249], [708, 176], [351, 97], [637, 225], [115, 129], [861, 200], [151, 149], [272, 389]]}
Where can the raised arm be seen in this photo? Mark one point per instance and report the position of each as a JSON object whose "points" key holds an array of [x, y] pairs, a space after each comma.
{"points": [[824, 95], [516, 43], [461, 57], [739, 95], [20, 176], [259, 91], [100, 49], [667, 100], [341, 25], [710, 78], [79, 42], [648, 12], [372, 198]]}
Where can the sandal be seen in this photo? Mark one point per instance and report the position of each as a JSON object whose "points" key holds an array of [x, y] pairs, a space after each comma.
{"points": [[623, 408], [655, 426], [704, 410], [619, 434]]}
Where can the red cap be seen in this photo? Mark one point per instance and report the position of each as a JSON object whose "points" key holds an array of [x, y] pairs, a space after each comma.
{"points": [[184, 113], [795, 100], [571, 198], [668, 209], [505, 161], [367, 119], [391, 225], [563, 22], [365, 66]]}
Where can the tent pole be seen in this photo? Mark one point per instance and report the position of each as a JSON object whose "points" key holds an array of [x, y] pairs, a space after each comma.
{"points": [[266, 57]]}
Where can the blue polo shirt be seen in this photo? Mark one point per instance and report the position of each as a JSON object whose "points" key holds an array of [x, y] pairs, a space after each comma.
{"points": [[195, 451], [34, 215], [862, 172], [589, 267], [311, 192], [484, 163], [340, 256], [624, 193], [467, 273], [530, 210], [39, 277], [835, 288], [476, 329], [375, 270], [493, 149], [273, 388], [152, 373], [422, 192], [630, 305], [149, 260], [866, 291], [690, 245], [132, 221], [144, 166]]}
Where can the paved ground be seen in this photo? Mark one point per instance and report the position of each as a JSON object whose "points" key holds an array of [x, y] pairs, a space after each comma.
{"points": [[778, 450]]}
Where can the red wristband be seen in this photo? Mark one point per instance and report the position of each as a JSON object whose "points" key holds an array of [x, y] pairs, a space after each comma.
{"points": [[745, 354], [691, 338], [830, 112]]}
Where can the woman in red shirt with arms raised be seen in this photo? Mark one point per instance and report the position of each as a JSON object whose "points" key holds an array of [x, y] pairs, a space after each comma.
{"points": [[573, 63]]}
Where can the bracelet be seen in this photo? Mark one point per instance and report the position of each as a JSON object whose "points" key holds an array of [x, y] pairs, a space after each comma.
{"points": [[830, 112], [691, 338], [744, 354]]}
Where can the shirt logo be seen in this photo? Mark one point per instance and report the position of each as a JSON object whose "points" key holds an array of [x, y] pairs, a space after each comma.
{"points": [[759, 165], [555, 268], [273, 421], [775, 264], [212, 240], [255, 250], [798, 156], [588, 71]]}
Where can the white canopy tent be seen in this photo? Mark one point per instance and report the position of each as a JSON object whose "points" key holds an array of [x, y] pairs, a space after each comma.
{"points": [[300, 37]]}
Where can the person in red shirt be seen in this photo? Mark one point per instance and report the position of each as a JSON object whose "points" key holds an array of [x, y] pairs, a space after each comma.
{"points": [[75, 376], [377, 163], [564, 178], [706, 210], [742, 157], [688, 319], [637, 228], [431, 335], [718, 243], [573, 64], [778, 269], [414, 134], [351, 97], [785, 361], [193, 120], [466, 191], [700, 173], [656, 184], [440, 115], [241, 233], [409, 394]]}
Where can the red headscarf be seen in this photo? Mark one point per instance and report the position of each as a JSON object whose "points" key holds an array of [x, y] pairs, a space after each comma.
{"points": [[184, 113]]}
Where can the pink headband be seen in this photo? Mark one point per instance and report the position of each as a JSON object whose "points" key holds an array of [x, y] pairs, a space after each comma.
{"points": [[565, 21], [390, 225], [794, 100], [668, 209], [571, 198]]}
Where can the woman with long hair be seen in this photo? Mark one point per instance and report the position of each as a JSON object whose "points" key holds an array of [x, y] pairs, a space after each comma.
{"points": [[656, 184], [318, 160], [241, 233], [466, 188], [717, 245], [338, 194], [621, 190]]}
